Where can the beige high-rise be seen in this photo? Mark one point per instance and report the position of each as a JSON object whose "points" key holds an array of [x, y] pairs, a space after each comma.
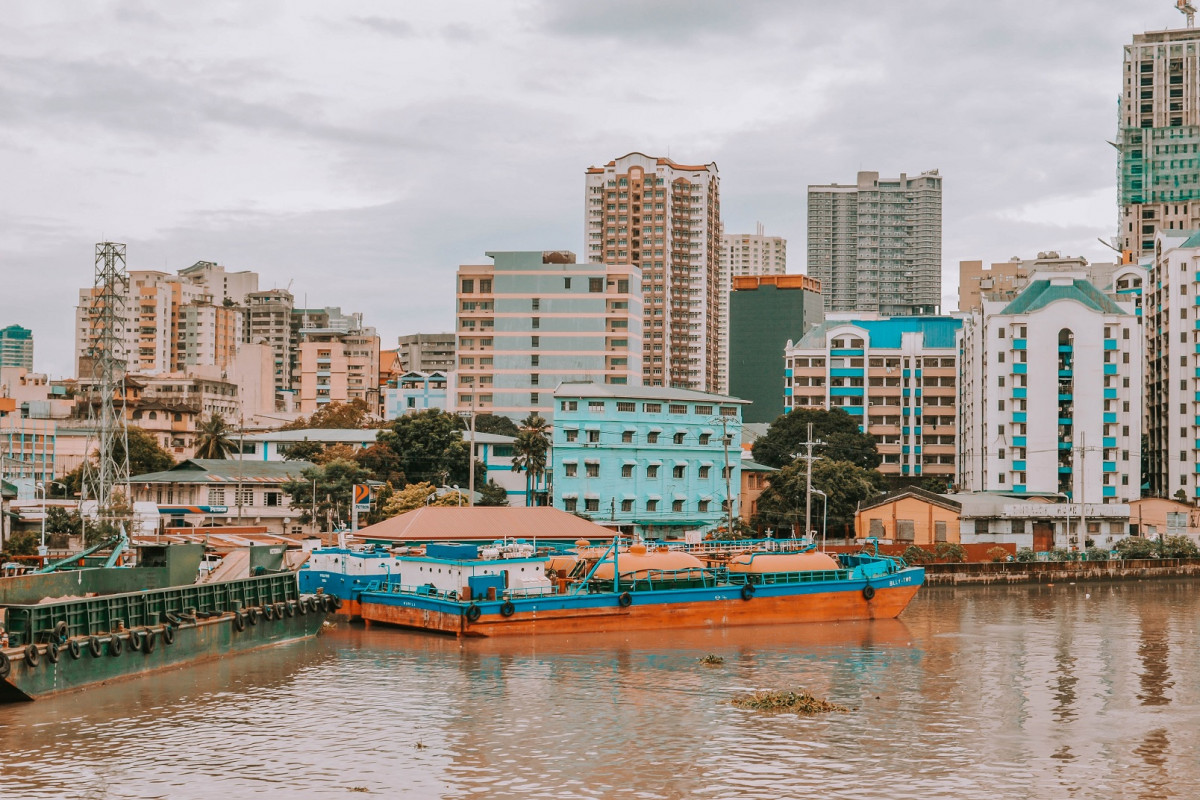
{"points": [[665, 218]]}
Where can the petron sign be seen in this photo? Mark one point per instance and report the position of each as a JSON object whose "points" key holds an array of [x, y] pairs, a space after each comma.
{"points": [[1064, 510]]}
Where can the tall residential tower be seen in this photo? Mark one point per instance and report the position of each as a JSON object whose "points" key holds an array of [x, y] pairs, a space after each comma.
{"points": [[664, 218], [876, 246], [744, 254]]}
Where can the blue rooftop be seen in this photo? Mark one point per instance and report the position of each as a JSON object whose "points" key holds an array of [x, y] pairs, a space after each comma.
{"points": [[1042, 293], [938, 332]]}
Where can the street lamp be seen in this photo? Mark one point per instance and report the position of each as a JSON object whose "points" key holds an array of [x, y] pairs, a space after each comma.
{"points": [[824, 514], [41, 486]]}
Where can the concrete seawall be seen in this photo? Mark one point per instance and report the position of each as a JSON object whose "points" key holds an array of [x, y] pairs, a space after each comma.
{"points": [[1013, 572]]}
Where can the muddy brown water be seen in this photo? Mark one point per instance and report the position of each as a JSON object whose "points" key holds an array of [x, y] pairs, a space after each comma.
{"points": [[1065, 691]]}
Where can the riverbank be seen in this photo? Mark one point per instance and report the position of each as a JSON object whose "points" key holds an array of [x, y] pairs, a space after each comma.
{"points": [[1016, 572]]}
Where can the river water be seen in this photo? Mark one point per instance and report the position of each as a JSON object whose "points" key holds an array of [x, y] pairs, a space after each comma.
{"points": [[1067, 691]]}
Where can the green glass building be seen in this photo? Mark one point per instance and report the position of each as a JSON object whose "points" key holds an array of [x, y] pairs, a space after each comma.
{"points": [[16, 347]]}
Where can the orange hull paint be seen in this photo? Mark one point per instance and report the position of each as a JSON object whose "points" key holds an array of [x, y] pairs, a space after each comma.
{"points": [[888, 603]]}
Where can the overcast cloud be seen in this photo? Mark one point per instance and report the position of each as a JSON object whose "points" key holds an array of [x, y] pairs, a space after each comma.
{"points": [[360, 151]]}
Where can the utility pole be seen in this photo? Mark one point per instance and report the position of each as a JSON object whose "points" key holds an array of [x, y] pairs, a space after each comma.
{"points": [[237, 493], [728, 492], [1082, 490], [471, 461], [809, 458]]}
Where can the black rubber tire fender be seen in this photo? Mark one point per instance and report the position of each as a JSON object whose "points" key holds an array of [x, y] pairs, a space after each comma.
{"points": [[473, 613], [625, 600], [289, 608], [172, 618], [74, 649], [5, 666], [135, 640], [115, 645], [747, 591], [868, 592], [302, 606], [335, 602], [507, 609], [168, 634], [280, 610], [252, 616], [32, 655], [60, 630], [52, 652], [239, 621], [268, 612], [147, 641], [95, 646]]}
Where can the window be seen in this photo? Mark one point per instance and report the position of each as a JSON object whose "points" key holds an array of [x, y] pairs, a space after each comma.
{"points": [[652, 408], [704, 410], [704, 471], [652, 471], [679, 437], [468, 286], [570, 405], [570, 503], [535, 341], [566, 283], [536, 303], [591, 504], [595, 284], [679, 471], [272, 498], [702, 506], [652, 505], [705, 438], [626, 408], [571, 435], [533, 379], [677, 506], [536, 322], [485, 285], [627, 471], [627, 506], [534, 398], [570, 469], [216, 495], [627, 437], [678, 408], [595, 406], [593, 436], [243, 497], [652, 437]]}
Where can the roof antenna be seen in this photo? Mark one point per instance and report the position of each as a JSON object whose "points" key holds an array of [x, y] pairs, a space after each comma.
{"points": [[1186, 8]]}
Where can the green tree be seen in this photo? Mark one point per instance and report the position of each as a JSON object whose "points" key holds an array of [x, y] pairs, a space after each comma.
{"points": [[937, 484], [354, 414], [492, 494], [1178, 547], [23, 543], [531, 453], [837, 429], [145, 456], [427, 447], [213, 438], [334, 486], [303, 451], [1136, 547], [383, 463], [495, 423], [845, 484], [59, 520]]}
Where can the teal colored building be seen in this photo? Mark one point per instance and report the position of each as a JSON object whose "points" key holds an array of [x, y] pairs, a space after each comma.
{"points": [[16, 347], [648, 460], [765, 313], [416, 391]]}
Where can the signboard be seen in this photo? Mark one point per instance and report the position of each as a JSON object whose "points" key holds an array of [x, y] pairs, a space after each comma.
{"points": [[362, 497], [1063, 510]]}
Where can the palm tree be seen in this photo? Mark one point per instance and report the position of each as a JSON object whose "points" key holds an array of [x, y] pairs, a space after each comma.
{"points": [[214, 439], [531, 452]]}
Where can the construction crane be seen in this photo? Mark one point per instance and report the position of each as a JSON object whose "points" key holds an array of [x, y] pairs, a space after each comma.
{"points": [[1186, 8]]}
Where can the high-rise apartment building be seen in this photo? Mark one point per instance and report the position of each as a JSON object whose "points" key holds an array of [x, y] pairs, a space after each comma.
{"points": [[16, 347], [876, 246], [1051, 387], [1159, 137], [171, 322], [531, 320], [269, 322], [1007, 279], [897, 376], [743, 254], [1171, 307], [336, 366], [664, 218], [765, 313], [427, 352]]}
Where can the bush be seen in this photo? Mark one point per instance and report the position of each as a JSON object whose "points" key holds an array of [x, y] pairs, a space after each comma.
{"points": [[1136, 547], [951, 552], [1096, 554], [24, 543], [997, 554], [1179, 547], [916, 555], [1025, 555], [1060, 554]]}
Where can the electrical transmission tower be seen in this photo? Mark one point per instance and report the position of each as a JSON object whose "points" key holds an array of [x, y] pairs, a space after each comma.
{"points": [[106, 351]]}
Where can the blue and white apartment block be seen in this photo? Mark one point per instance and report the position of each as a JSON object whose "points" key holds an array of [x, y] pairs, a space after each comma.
{"points": [[651, 460], [417, 391]]}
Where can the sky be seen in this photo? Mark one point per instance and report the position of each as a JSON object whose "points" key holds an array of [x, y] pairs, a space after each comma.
{"points": [[358, 152]]}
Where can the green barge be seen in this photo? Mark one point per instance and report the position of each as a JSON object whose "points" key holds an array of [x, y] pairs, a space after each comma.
{"points": [[94, 628]]}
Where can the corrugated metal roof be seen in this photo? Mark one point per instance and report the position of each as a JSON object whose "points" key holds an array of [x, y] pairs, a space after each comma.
{"points": [[205, 470], [433, 523], [583, 389], [1042, 293]]}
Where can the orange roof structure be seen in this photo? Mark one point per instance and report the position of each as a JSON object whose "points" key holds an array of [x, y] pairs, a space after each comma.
{"points": [[442, 523]]}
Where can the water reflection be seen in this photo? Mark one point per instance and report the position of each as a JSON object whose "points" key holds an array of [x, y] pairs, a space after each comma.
{"points": [[1008, 692]]}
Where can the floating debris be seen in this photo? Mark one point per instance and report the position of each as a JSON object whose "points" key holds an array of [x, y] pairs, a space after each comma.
{"points": [[362, 789], [798, 702], [712, 660], [420, 745]]}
